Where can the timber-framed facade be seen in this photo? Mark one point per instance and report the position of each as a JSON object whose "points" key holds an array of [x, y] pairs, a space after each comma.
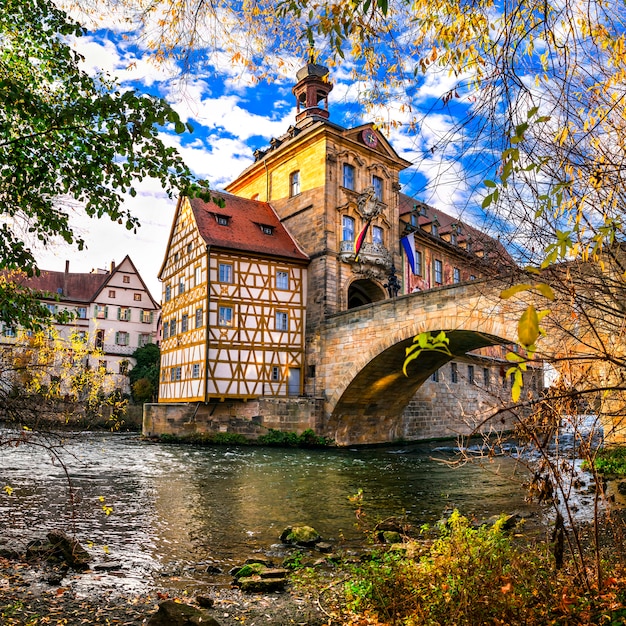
{"points": [[234, 304]]}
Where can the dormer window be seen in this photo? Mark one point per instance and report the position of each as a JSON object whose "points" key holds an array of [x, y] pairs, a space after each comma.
{"points": [[434, 229], [414, 221], [267, 230], [222, 220]]}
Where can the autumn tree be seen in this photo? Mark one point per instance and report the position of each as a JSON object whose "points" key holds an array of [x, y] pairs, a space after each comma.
{"points": [[49, 380], [69, 141]]}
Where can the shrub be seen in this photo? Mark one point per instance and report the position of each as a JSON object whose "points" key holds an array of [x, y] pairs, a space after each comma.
{"points": [[467, 576], [307, 439]]}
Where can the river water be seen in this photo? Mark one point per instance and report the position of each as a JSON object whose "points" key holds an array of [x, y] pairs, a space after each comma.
{"points": [[177, 509]]}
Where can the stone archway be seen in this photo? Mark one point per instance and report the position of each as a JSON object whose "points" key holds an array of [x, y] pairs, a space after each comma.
{"points": [[364, 291]]}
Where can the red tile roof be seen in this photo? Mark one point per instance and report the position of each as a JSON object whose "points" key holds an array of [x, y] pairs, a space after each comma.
{"points": [[480, 240], [78, 287], [244, 229]]}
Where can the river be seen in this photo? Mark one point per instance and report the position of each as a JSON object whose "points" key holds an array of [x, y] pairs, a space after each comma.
{"points": [[175, 509]]}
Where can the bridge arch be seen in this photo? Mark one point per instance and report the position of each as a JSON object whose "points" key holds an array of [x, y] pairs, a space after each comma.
{"points": [[365, 350]]}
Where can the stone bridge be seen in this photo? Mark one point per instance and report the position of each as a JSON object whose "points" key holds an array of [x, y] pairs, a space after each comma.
{"points": [[362, 351]]}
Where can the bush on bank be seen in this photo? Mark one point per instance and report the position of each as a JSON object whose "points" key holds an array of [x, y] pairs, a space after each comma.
{"points": [[611, 461], [467, 575]]}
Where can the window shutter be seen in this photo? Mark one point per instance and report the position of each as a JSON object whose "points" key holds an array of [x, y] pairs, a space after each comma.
{"points": [[119, 313], [106, 312]]}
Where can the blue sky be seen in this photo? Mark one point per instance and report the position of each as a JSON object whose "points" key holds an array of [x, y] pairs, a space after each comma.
{"points": [[233, 115]]}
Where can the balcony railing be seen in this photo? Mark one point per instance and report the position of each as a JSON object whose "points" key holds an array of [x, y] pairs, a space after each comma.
{"points": [[373, 253], [113, 348]]}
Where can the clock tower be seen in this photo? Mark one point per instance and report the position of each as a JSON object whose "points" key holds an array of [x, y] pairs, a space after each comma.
{"points": [[336, 190]]}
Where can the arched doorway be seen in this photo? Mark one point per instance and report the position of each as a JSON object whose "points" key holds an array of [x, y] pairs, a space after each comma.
{"points": [[363, 292]]}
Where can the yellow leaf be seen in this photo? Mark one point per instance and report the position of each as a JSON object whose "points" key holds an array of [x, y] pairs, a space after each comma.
{"points": [[545, 290], [511, 291], [528, 327]]}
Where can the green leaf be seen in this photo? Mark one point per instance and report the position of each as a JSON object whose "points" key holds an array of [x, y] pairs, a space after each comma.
{"points": [[425, 342]]}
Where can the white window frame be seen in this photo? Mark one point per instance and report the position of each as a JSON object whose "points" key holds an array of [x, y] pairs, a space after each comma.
{"points": [[294, 183], [122, 338], [378, 235], [377, 184], [225, 273], [438, 271], [225, 315], [281, 321], [282, 280], [348, 176], [348, 226]]}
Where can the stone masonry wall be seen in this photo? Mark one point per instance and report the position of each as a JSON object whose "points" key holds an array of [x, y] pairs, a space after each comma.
{"points": [[250, 419]]}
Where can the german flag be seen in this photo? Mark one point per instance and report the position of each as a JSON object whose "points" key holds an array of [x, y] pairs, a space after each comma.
{"points": [[358, 242]]}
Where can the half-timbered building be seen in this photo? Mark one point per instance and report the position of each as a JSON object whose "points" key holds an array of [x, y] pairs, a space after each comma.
{"points": [[234, 303], [315, 226]]}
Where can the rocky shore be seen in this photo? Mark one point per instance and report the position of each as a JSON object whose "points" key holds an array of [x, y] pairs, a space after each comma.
{"points": [[36, 588]]}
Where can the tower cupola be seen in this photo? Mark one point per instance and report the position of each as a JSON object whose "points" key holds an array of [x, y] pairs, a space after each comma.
{"points": [[311, 89]]}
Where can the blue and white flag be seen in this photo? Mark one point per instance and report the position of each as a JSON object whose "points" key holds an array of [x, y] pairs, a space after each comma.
{"points": [[408, 243]]}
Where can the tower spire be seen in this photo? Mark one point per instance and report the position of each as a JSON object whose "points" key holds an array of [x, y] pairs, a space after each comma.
{"points": [[311, 89]]}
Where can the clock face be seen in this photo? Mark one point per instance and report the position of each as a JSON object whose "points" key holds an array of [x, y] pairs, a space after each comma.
{"points": [[370, 138]]}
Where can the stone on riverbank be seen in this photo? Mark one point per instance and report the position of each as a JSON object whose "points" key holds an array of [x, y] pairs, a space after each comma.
{"points": [[260, 577], [69, 549], [172, 613], [305, 536]]}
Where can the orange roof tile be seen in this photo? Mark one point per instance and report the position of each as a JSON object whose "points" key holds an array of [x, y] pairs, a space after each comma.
{"points": [[244, 230]]}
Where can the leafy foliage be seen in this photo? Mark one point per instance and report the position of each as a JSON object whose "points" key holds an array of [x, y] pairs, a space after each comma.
{"points": [[49, 379], [306, 439], [461, 574], [144, 377], [425, 342], [68, 142], [610, 461]]}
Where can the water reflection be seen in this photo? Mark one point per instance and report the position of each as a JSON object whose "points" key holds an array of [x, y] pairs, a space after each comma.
{"points": [[177, 504]]}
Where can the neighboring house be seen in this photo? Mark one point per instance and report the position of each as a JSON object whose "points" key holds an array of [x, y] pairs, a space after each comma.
{"points": [[113, 309], [234, 293]]}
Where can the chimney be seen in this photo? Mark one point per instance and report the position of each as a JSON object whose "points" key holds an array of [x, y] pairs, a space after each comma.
{"points": [[67, 271], [112, 266]]}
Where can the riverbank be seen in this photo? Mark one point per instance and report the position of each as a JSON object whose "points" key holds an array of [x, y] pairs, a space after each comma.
{"points": [[25, 599], [457, 573]]}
